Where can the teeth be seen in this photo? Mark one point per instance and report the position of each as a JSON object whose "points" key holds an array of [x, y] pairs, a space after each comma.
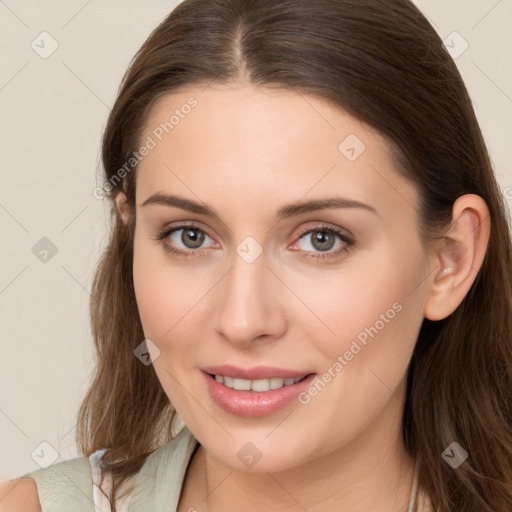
{"points": [[241, 384], [276, 383], [260, 385]]}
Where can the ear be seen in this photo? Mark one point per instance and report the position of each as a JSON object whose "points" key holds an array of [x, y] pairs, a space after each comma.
{"points": [[123, 208], [457, 256]]}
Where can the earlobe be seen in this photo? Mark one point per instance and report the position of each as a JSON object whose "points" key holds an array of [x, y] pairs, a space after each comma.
{"points": [[123, 208], [458, 256]]}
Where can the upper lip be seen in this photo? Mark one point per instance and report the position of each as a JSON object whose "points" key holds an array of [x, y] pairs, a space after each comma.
{"points": [[255, 372]]}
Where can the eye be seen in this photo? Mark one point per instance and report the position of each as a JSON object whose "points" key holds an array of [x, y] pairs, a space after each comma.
{"points": [[323, 239], [190, 237]]}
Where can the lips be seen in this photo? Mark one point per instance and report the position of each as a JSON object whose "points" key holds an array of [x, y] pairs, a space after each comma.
{"points": [[252, 403]]}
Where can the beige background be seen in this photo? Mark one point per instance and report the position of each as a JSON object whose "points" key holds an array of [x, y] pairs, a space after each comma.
{"points": [[52, 114]]}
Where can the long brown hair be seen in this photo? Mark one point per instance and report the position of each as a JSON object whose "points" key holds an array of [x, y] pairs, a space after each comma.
{"points": [[384, 64]]}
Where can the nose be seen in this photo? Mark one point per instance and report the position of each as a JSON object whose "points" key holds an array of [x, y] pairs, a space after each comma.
{"points": [[251, 303]]}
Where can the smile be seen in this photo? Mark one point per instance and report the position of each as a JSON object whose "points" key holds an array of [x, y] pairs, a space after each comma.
{"points": [[255, 397], [259, 385]]}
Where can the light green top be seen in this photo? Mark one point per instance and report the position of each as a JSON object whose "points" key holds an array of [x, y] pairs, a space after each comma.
{"points": [[67, 485]]}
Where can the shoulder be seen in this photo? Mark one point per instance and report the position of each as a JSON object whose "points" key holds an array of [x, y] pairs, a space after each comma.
{"points": [[60, 487], [19, 495]]}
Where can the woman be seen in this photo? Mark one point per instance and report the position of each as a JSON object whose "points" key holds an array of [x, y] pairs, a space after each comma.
{"points": [[310, 264]]}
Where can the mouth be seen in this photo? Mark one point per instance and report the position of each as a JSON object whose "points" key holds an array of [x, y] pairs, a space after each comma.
{"points": [[255, 397]]}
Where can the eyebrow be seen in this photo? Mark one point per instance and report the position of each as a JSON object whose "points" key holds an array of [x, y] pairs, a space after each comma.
{"points": [[285, 212]]}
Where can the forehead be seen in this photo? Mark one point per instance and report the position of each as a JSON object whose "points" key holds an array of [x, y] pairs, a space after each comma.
{"points": [[269, 145]]}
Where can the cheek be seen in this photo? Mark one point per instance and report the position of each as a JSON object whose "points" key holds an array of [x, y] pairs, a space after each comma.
{"points": [[374, 312], [159, 288], [166, 296], [154, 298], [169, 298]]}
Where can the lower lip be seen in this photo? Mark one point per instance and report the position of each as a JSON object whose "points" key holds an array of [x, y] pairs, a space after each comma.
{"points": [[253, 403]]}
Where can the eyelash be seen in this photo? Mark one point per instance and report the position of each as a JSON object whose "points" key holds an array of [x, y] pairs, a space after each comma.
{"points": [[348, 241]]}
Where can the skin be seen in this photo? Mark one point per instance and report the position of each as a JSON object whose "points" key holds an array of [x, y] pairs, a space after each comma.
{"points": [[247, 151], [19, 495]]}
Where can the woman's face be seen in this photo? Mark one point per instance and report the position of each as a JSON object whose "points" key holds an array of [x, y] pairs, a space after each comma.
{"points": [[264, 286]]}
